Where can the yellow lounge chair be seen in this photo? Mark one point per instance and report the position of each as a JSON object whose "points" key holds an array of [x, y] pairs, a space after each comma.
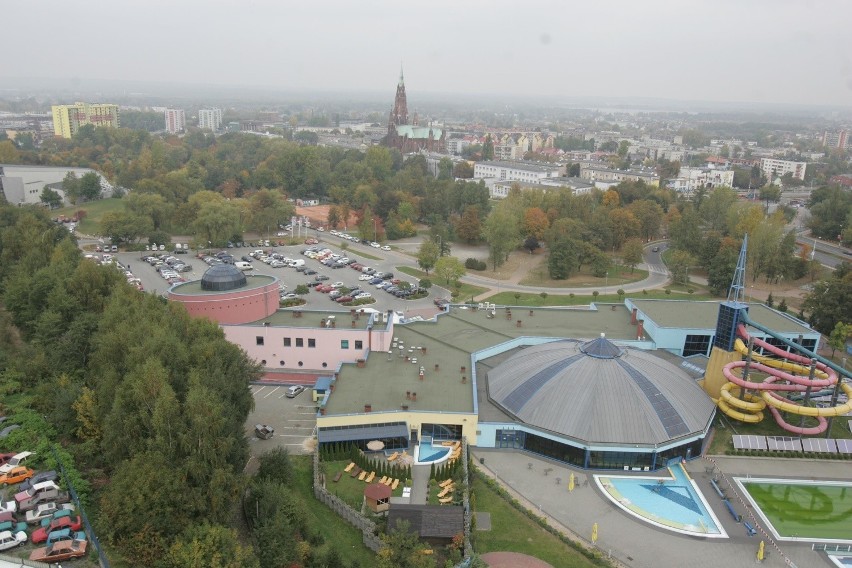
{"points": [[349, 467], [446, 482], [362, 475], [447, 443], [393, 456], [388, 481], [456, 445], [383, 479], [446, 500], [445, 492], [395, 484], [370, 477]]}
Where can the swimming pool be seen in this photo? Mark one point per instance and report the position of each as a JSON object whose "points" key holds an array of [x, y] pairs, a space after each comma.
{"points": [[673, 503], [802, 509], [429, 453]]}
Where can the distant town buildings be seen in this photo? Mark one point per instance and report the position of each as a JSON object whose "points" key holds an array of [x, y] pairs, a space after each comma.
{"points": [[408, 136], [690, 179], [67, 119], [773, 168], [210, 118], [837, 139], [604, 177], [24, 184], [175, 120]]}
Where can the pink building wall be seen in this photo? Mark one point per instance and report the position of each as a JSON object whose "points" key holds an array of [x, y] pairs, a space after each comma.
{"points": [[239, 306], [267, 343]]}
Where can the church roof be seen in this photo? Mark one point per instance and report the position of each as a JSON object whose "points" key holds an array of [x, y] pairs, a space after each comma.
{"points": [[418, 132]]}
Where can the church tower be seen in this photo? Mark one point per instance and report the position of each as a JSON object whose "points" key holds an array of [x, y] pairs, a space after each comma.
{"points": [[399, 114]]}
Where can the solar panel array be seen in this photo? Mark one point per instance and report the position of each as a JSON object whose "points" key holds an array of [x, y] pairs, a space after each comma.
{"points": [[844, 446], [521, 394], [669, 417], [749, 442], [784, 443], [819, 445], [787, 444]]}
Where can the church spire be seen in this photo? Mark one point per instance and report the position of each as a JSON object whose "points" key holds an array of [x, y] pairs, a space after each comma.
{"points": [[401, 77]]}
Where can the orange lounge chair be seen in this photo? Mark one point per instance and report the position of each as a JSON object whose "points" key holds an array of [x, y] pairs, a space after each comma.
{"points": [[445, 492], [388, 481], [370, 477], [362, 475], [349, 467], [393, 456], [446, 500], [446, 482], [395, 484], [383, 479]]}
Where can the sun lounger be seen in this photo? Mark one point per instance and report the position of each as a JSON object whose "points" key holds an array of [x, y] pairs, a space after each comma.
{"points": [[445, 500], [456, 445], [446, 482], [370, 477], [395, 484], [383, 479], [349, 467], [393, 456], [388, 481], [355, 471], [445, 492], [338, 476], [447, 443], [362, 475]]}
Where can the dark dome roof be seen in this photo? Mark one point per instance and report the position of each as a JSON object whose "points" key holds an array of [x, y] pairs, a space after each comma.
{"points": [[223, 277], [598, 392]]}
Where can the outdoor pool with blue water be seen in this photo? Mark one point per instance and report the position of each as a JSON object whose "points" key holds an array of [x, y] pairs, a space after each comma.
{"points": [[428, 453], [673, 503]]}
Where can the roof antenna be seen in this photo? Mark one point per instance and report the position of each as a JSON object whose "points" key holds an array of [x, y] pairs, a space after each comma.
{"points": [[736, 293]]}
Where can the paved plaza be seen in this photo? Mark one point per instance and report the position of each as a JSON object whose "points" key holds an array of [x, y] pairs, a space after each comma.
{"points": [[639, 545]]}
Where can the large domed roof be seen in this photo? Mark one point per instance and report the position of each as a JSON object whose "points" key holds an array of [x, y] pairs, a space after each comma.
{"points": [[223, 277], [598, 392]]}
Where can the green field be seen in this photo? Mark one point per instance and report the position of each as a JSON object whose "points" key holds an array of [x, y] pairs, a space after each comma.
{"points": [[95, 210], [536, 300], [466, 291], [805, 510]]}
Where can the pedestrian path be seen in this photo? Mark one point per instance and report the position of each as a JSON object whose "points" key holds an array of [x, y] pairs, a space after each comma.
{"points": [[420, 483]]}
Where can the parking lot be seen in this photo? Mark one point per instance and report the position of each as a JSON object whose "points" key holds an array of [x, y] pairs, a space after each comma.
{"points": [[293, 419], [290, 278]]}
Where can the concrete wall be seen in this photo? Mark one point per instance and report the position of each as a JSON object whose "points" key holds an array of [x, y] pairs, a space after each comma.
{"points": [[468, 421]]}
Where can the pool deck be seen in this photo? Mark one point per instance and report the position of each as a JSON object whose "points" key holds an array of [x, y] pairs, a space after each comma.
{"points": [[639, 545]]}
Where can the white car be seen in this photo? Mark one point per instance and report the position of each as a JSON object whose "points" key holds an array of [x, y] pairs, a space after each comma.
{"points": [[365, 277], [386, 248], [8, 539], [375, 245], [337, 285], [362, 295]]}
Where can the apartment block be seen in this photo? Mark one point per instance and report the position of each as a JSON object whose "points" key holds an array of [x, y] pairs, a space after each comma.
{"points": [[773, 168], [67, 119], [175, 120], [210, 118]]}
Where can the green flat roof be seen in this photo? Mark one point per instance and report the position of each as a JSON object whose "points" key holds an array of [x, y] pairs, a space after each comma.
{"points": [[193, 287], [703, 315], [314, 318], [449, 342]]}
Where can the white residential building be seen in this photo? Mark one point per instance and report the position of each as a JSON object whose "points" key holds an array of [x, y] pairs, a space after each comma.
{"points": [[691, 179], [515, 171], [210, 118], [773, 168], [175, 120], [598, 174]]}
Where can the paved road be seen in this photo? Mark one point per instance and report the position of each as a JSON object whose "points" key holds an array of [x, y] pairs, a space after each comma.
{"points": [[828, 254]]}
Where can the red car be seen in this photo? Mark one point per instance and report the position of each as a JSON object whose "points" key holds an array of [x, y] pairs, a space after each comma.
{"points": [[73, 523], [5, 458], [343, 299], [59, 551], [325, 289]]}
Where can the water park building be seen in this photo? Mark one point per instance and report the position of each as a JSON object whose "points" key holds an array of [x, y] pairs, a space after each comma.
{"points": [[609, 386]]}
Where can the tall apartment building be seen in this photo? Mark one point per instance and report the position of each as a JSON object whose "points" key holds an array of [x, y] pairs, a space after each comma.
{"points": [[175, 120], [837, 139], [773, 168], [67, 119], [210, 118]]}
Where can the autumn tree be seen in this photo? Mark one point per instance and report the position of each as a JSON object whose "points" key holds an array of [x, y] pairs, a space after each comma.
{"points": [[449, 268], [535, 223], [631, 253], [469, 226]]}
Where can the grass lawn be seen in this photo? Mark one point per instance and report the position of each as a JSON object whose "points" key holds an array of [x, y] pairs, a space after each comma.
{"points": [[618, 275], [344, 246], [512, 531], [466, 291], [95, 210], [804, 509], [535, 300], [335, 531], [349, 488]]}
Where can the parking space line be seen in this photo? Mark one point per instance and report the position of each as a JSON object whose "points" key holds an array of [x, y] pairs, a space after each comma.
{"points": [[270, 392], [257, 392]]}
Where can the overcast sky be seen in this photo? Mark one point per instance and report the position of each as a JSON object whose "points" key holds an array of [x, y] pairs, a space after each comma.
{"points": [[773, 51]]}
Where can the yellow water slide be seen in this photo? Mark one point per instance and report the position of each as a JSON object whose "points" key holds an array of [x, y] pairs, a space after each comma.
{"points": [[784, 406], [746, 410], [778, 363]]}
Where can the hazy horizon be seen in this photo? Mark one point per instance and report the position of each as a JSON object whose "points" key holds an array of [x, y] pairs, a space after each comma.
{"points": [[782, 52]]}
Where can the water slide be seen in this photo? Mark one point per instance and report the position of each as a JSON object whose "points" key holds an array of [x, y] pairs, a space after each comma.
{"points": [[789, 374]]}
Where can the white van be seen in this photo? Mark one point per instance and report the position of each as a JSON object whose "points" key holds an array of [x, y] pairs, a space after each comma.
{"points": [[244, 266], [298, 262]]}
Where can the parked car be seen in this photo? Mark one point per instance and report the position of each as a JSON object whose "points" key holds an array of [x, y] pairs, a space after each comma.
{"points": [[61, 513], [73, 523], [309, 271], [40, 477], [44, 511], [65, 534], [4, 458], [386, 248], [321, 277], [13, 526], [39, 493], [59, 551], [294, 391], [18, 459], [440, 302], [16, 475], [9, 539]]}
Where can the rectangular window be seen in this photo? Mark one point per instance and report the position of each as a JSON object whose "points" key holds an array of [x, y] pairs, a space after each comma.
{"points": [[287, 342], [312, 342], [696, 345], [344, 344], [300, 342], [259, 339], [359, 344]]}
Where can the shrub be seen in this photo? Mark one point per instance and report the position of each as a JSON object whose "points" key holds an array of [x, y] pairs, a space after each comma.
{"points": [[425, 283], [301, 289]]}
